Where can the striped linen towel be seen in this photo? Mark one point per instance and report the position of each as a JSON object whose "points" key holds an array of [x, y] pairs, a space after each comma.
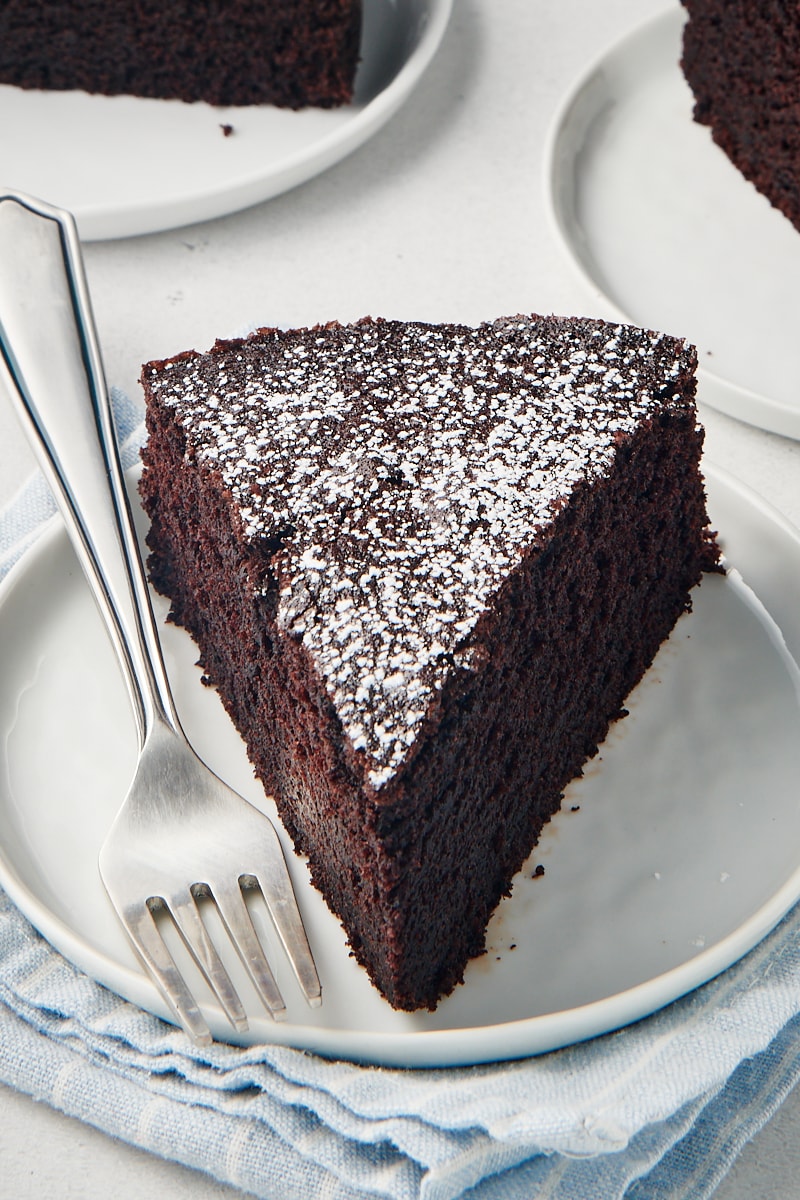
{"points": [[659, 1109]]}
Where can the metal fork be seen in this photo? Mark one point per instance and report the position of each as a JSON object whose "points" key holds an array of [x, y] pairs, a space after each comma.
{"points": [[181, 833]]}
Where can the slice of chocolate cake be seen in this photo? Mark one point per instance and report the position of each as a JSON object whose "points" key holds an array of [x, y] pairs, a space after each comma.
{"points": [[425, 565], [741, 59], [290, 53]]}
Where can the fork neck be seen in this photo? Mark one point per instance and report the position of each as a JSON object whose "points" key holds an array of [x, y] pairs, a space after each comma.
{"points": [[51, 364]]}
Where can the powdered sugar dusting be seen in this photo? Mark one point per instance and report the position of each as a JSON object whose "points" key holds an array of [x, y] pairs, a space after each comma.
{"points": [[403, 471]]}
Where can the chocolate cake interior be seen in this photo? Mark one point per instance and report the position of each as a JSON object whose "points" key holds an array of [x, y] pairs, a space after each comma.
{"points": [[741, 59], [290, 53]]}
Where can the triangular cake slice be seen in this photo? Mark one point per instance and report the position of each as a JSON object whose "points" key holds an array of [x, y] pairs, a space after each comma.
{"points": [[425, 565]]}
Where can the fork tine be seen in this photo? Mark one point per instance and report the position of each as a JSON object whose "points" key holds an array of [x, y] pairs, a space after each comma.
{"points": [[282, 904], [274, 882], [191, 927], [235, 914], [143, 932]]}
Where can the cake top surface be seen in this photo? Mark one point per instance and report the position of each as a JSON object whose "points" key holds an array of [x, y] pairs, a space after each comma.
{"points": [[396, 473]]}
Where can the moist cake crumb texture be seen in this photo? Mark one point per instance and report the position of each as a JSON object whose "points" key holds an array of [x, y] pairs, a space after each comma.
{"points": [[402, 488], [741, 59], [288, 53]]}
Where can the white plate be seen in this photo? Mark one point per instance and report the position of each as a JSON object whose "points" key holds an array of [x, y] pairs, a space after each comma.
{"points": [[124, 165], [683, 854], [671, 235]]}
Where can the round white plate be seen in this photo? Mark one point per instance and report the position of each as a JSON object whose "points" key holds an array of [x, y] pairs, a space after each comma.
{"points": [[682, 854], [670, 235], [124, 165]]}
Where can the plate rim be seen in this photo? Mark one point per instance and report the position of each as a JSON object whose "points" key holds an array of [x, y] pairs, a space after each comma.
{"points": [[102, 221], [724, 395], [519, 1038]]}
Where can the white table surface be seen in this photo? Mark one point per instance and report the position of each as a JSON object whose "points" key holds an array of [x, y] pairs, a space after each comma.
{"points": [[440, 216]]}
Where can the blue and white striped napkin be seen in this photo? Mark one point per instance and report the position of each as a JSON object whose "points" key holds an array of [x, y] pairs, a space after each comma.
{"points": [[659, 1109]]}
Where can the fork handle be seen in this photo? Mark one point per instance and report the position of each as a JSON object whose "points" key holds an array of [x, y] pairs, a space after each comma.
{"points": [[50, 360]]}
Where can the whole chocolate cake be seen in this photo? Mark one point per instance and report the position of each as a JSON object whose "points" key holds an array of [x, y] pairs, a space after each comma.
{"points": [[290, 53], [741, 59], [425, 565]]}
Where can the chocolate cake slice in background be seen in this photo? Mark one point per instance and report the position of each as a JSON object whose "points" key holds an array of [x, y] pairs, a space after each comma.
{"points": [[290, 53], [741, 59], [424, 566]]}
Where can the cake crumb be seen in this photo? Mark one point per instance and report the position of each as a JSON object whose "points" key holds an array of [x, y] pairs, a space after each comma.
{"points": [[227, 130], [538, 872]]}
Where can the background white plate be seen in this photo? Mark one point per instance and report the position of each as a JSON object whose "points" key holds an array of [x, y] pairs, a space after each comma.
{"points": [[656, 218], [124, 165], [683, 854]]}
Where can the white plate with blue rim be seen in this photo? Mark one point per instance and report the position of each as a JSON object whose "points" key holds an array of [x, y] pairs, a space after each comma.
{"points": [[124, 165], [665, 232], [674, 855]]}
